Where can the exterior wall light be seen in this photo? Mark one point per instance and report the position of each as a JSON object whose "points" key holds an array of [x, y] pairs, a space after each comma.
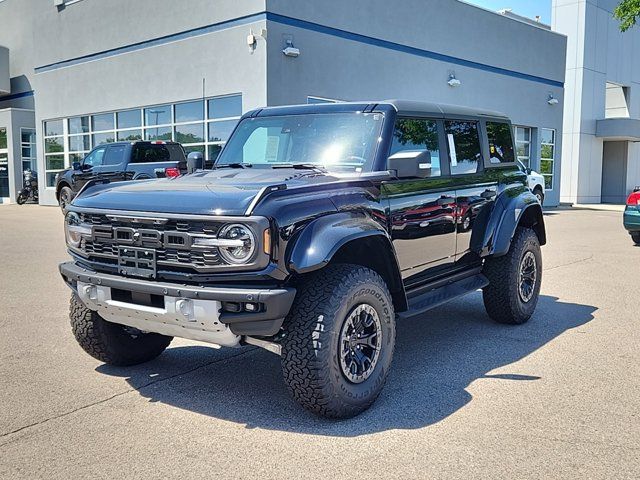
{"points": [[552, 100], [291, 51], [453, 81]]}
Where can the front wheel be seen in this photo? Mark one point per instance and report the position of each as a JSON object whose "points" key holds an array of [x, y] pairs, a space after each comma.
{"points": [[21, 199], [539, 195], [66, 195], [339, 341], [112, 343], [514, 280]]}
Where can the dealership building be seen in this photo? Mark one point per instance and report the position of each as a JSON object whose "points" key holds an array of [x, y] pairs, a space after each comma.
{"points": [[77, 73]]}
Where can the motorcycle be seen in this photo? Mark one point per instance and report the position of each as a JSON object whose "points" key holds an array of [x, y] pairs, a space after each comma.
{"points": [[30, 189]]}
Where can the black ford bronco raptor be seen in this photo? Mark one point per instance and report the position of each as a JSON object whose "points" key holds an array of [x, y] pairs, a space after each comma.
{"points": [[317, 228]]}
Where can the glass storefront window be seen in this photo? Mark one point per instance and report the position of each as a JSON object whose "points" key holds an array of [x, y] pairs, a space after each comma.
{"points": [[523, 145], [158, 115], [225, 107], [189, 112], [201, 125], [547, 155], [128, 119]]}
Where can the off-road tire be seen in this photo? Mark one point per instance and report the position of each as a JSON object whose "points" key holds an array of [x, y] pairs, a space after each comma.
{"points": [[538, 193], [635, 236], [65, 197], [310, 349], [112, 343], [501, 297]]}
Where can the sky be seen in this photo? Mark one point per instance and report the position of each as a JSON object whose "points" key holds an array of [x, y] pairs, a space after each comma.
{"points": [[527, 8]]}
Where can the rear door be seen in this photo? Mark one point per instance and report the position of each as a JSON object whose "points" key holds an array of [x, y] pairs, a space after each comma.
{"points": [[471, 157], [113, 163], [422, 210]]}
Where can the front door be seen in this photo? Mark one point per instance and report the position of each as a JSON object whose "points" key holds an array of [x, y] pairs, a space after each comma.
{"points": [[4, 164], [90, 168], [422, 211]]}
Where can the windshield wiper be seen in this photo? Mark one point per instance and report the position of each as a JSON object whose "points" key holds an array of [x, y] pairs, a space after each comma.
{"points": [[300, 166], [233, 165]]}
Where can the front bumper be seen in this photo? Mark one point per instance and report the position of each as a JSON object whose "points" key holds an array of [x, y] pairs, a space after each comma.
{"points": [[631, 219], [203, 312]]}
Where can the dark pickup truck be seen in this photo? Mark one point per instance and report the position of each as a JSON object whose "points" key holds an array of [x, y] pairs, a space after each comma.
{"points": [[121, 161], [319, 227]]}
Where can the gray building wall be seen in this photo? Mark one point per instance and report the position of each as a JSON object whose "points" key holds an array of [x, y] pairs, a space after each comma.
{"points": [[332, 66], [94, 56]]}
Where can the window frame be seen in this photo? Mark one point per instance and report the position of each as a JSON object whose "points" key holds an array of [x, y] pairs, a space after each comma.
{"points": [[482, 140], [487, 149], [528, 143], [445, 167]]}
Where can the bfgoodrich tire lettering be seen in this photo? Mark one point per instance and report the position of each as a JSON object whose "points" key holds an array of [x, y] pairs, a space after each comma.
{"points": [[311, 361], [112, 343], [503, 300]]}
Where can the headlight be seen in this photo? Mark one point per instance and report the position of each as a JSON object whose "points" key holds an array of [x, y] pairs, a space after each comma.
{"points": [[237, 243], [74, 229]]}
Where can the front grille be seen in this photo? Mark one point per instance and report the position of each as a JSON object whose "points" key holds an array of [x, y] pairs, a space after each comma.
{"points": [[103, 245]]}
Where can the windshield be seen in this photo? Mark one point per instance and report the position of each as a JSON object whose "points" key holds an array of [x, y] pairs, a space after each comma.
{"points": [[334, 141]]}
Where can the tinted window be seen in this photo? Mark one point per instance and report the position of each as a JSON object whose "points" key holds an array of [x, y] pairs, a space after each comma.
{"points": [[114, 155], [79, 125], [94, 158], [157, 153], [103, 121], [463, 144], [418, 135], [500, 143]]}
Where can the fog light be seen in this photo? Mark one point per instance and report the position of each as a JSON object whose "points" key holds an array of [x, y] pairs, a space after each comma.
{"points": [[251, 307]]}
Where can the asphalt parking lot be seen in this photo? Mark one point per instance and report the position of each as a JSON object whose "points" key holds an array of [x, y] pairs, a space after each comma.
{"points": [[556, 398]]}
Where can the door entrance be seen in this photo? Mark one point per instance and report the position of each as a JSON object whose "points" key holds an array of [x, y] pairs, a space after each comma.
{"points": [[4, 164], [614, 172]]}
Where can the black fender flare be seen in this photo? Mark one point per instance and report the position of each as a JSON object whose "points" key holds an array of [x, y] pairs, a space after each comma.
{"points": [[514, 207], [348, 237], [321, 238]]}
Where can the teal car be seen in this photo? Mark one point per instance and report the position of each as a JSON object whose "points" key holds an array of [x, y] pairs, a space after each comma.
{"points": [[631, 218]]}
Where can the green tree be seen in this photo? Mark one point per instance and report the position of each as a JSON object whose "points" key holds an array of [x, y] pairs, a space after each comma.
{"points": [[627, 12]]}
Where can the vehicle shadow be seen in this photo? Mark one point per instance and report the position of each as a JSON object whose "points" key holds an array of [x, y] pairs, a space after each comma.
{"points": [[436, 358]]}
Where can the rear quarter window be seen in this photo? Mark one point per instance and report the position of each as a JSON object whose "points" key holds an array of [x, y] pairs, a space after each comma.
{"points": [[153, 153], [500, 143]]}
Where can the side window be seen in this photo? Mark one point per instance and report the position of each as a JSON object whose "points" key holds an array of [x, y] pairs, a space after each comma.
{"points": [[414, 135], [94, 158], [114, 155], [463, 144], [500, 143]]}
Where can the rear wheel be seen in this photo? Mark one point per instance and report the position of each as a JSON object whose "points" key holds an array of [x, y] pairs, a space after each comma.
{"points": [[339, 341], [514, 280], [635, 236], [112, 343], [65, 197]]}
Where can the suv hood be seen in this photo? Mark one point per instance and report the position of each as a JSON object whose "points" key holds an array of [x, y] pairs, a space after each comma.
{"points": [[214, 192]]}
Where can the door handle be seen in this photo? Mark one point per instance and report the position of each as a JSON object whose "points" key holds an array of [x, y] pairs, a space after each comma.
{"points": [[446, 201]]}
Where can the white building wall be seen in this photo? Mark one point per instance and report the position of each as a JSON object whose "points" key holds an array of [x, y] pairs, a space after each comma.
{"points": [[597, 53]]}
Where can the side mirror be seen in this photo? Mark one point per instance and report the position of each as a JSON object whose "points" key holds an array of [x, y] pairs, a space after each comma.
{"points": [[411, 163], [85, 167], [76, 166], [195, 161]]}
